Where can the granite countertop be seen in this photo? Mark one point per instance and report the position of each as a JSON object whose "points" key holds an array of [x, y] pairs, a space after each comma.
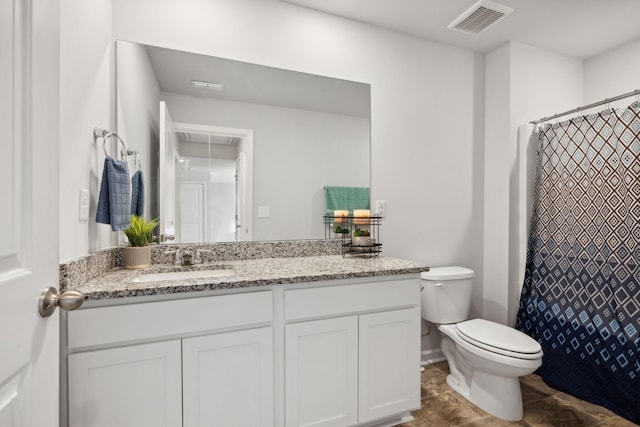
{"points": [[121, 283]]}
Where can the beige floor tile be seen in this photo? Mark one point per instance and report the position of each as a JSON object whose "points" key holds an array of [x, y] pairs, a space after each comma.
{"points": [[600, 412], [553, 412], [531, 394], [446, 409], [543, 406], [535, 381], [490, 421]]}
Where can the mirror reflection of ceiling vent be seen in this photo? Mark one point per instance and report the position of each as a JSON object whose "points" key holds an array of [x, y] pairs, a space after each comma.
{"points": [[479, 17], [205, 138]]}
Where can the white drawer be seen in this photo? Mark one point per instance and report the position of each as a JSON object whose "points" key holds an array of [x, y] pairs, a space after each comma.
{"points": [[125, 323], [346, 299]]}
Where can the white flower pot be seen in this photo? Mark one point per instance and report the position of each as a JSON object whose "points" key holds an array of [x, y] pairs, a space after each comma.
{"points": [[361, 241], [137, 257]]}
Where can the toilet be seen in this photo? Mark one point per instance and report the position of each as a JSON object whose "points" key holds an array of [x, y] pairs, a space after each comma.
{"points": [[485, 358]]}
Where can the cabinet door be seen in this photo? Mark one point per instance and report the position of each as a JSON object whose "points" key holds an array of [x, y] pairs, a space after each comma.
{"points": [[228, 379], [389, 368], [321, 378], [132, 386]]}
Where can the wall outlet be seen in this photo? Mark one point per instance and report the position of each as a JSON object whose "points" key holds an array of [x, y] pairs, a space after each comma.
{"points": [[381, 208], [263, 211], [84, 204]]}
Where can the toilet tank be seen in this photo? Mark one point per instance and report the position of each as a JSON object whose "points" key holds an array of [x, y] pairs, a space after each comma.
{"points": [[446, 294]]}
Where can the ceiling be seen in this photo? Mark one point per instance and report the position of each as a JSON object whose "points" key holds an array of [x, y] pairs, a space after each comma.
{"points": [[257, 84], [577, 28]]}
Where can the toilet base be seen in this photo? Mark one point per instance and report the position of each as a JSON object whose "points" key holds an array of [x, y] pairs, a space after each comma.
{"points": [[499, 396], [492, 386]]}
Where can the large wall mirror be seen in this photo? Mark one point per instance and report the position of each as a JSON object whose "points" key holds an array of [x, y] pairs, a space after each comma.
{"points": [[235, 151]]}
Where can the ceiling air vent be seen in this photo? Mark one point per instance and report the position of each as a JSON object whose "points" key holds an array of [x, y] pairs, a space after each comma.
{"points": [[205, 138], [479, 17]]}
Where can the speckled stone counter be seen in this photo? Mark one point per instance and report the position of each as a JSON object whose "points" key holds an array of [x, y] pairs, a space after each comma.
{"points": [[121, 283]]}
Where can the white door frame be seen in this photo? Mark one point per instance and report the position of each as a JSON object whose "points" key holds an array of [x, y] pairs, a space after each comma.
{"points": [[246, 135], [166, 175]]}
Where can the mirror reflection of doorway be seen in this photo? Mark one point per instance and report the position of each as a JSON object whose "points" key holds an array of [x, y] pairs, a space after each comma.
{"points": [[211, 183], [207, 201], [211, 188]]}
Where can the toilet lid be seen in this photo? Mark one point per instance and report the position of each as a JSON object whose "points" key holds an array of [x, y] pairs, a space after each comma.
{"points": [[499, 339]]}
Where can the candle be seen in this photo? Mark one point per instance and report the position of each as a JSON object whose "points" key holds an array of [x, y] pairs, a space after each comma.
{"points": [[339, 215], [361, 216]]}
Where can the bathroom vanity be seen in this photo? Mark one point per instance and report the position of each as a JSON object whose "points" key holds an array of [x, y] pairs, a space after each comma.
{"points": [[320, 340]]}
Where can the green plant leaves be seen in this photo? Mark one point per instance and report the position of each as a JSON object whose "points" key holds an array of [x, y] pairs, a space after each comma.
{"points": [[140, 232]]}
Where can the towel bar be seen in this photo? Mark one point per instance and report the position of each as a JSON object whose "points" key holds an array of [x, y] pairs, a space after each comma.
{"points": [[105, 135]]}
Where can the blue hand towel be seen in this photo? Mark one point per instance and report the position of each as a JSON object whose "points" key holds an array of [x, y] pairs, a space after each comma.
{"points": [[347, 198], [137, 194], [114, 203]]}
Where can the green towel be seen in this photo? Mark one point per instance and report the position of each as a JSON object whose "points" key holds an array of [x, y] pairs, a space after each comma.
{"points": [[347, 198]]}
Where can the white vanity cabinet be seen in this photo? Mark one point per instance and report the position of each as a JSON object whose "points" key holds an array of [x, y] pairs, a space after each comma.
{"points": [[137, 385], [190, 375], [322, 372], [328, 353], [356, 368], [228, 379]]}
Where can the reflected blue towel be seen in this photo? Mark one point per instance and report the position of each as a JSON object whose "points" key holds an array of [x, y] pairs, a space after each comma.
{"points": [[114, 203], [137, 194]]}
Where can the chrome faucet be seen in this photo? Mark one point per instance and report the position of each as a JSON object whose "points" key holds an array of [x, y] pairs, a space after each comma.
{"points": [[187, 259]]}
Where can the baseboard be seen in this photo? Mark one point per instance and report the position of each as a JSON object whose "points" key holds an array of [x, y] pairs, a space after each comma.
{"points": [[390, 422], [429, 357]]}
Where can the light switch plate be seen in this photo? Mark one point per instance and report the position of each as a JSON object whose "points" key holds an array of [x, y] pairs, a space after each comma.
{"points": [[381, 208], [263, 211], [84, 204]]}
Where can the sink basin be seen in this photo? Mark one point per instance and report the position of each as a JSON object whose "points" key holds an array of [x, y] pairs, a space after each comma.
{"points": [[182, 275]]}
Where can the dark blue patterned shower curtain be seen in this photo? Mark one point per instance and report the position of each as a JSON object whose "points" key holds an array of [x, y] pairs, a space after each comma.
{"points": [[581, 293]]}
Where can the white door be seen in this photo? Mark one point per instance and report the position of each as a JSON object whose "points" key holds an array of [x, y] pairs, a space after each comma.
{"points": [[134, 386], [389, 363], [192, 212], [321, 373], [228, 379], [29, 107]]}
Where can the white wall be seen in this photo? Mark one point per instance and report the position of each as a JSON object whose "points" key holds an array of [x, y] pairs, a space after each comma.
{"points": [[523, 83], [138, 117], [427, 126], [613, 73], [426, 99], [492, 298], [86, 101], [296, 153]]}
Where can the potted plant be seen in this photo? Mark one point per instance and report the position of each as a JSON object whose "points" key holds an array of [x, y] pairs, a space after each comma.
{"points": [[340, 231], [140, 234], [361, 238]]}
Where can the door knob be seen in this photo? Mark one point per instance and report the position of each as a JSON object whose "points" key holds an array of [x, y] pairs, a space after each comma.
{"points": [[50, 299]]}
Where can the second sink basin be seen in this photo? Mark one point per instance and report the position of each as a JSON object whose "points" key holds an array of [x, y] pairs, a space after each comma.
{"points": [[184, 274]]}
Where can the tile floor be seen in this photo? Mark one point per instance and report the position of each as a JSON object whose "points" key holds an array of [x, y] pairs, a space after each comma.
{"points": [[543, 406]]}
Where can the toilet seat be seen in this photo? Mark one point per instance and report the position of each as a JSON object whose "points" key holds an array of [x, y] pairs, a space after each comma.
{"points": [[499, 339]]}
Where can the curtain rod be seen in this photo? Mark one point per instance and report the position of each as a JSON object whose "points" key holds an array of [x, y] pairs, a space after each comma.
{"points": [[585, 107]]}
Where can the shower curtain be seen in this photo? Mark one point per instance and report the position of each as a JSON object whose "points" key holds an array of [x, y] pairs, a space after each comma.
{"points": [[581, 292]]}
